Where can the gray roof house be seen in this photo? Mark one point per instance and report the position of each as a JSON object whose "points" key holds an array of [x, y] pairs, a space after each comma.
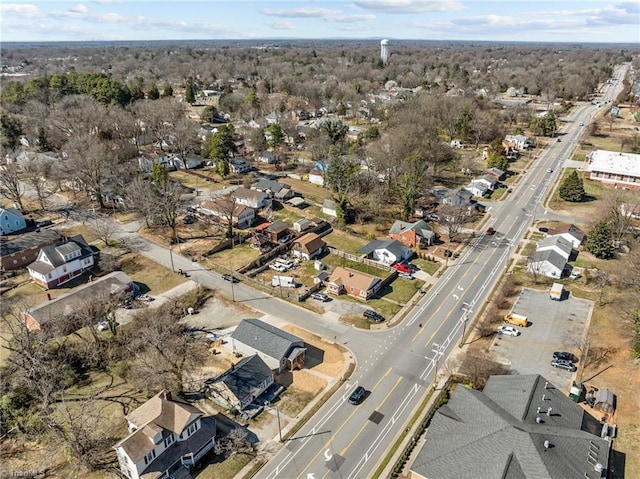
{"points": [[558, 244], [386, 251], [548, 263], [412, 234], [240, 385], [519, 427], [277, 348]]}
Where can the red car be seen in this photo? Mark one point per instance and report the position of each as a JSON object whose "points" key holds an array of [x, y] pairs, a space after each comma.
{"points": [[402, 267], [490, 231]]}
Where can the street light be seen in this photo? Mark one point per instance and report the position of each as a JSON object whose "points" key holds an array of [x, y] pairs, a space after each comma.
{"points": [[171, 256], [464, 319], [437, 349]]}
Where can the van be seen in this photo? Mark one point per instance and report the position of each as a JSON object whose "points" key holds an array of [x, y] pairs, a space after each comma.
{"points": [[284, 282], [517, 319], [556, 291]]}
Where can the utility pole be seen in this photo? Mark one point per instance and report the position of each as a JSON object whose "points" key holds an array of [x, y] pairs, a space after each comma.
{"points": [[437, 349], [171, 256], [464, 319]]}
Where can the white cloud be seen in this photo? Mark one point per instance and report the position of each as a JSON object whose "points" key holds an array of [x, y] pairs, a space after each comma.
{"points": [[282, 25], [24, 10], [353, 18], [409, 6], [79, 8], [305, 12], [107, 2]]}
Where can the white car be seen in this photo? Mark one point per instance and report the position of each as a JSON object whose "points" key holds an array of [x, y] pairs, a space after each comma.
{"points": [[508, 330], [103, 326], [278, 267]]}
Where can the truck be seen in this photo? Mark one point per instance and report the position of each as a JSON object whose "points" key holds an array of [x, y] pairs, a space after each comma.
{"points": [[284, 282], [517, 319], [556, 291]]}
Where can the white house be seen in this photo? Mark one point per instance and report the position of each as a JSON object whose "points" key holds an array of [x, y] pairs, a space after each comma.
{"points": [[267, 157], [316, 176], [11, 220], [329, 207], [557, 244], [386, 251], [241, 217], [547, 263], [569, 232], [239, 165], [251, 198], [61, 262], [165, 434], [519, 142], [615, 169]]}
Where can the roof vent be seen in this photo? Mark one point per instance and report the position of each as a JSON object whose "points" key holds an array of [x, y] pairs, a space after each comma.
{"points": [[547, 444], [549, 411], [546, 384], [539, 420], [598, 467], [538, 410], [544, 396]]}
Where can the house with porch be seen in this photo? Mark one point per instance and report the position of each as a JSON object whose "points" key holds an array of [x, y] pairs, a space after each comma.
{"points": [[570, 232], [412, 235], [308, 246], [11, 220], [386, 251], [223, 208], [239, 165], [496, 173], [516, 142], [267, 157], [354, 283], [166, 435], [251, 198], [60, 262], [239, 386], [279, 349]]}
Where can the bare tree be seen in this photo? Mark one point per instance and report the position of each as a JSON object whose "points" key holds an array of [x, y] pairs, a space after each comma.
{"points": [[621, 207], [236, 442], [185, 138], [10, 185], [92, 161], [105, 229], [452, 218], [37, 172], [534, 268]]}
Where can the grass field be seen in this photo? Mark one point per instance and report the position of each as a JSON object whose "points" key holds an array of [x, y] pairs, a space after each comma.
{"points": [[344, 241]]}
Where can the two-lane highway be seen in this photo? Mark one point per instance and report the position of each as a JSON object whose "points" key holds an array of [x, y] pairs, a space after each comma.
{"points": [[347, 441]]}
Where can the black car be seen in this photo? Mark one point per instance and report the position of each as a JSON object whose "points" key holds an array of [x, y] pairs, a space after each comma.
{"points": [[42, 224], [542, 229], [565, 356], [230, 278], [372, 315], [189, 219], [357, 395]]}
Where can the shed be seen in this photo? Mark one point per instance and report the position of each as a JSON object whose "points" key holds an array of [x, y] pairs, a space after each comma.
{"points": [[602, 400]]}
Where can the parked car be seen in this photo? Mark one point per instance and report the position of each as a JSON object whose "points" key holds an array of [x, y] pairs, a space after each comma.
{"points": [[565, 356], [562, 364], [278, 267], [231, 278], [542, 229], [146, 298], [372, 315], [189, 219], [490, 231], [403, 268], [357, 395], [42, 224], [508, 330], [102, 326], [575, 275], [406, 275], [320, 297]]}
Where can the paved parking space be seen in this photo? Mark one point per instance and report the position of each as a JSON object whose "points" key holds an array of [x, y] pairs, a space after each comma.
{"points": [[554, 326]]}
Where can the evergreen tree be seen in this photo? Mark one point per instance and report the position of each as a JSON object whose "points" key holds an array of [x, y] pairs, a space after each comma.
{"points": [[599, 241], [275, 136], [498, 161], [220, 147], [167, 91], [572, 188], [153, 93], [189, 93]]}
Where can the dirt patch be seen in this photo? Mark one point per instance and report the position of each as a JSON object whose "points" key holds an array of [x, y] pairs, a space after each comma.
{"points": [[332, 355]]}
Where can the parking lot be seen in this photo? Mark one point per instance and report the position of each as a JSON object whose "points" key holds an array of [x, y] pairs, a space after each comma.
{"points": [[554, 326]]}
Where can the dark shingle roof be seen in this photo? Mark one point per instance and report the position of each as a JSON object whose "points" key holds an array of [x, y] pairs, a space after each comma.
{"points": [[246, 376], [495, 434], [267, 339], [549, 256], [562, 243], [28, 240]]}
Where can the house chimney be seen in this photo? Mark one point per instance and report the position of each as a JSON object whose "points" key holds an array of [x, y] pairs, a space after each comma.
{"points": [[167, 395]]}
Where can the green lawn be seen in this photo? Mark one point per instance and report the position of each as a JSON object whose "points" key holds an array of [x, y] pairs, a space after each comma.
{"points": [[142, 270], [224, 469], [344, 241], [429, 267], [402, 290]]}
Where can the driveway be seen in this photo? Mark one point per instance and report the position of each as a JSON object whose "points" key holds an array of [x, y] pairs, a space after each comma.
{"points": [[555, 326]]}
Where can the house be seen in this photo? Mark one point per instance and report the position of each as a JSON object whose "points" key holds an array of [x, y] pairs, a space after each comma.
{"points": [[279, 349], [556, 243], [277, 232], [301, 115], [615, 169], [60, 313], [145, 162], [482, 185], [570, 232], [386, 251], [413, 235], [301, 225], [461, 198], [281, 191], [547, 263], [517, 142], [251, 198], [519, 426], [166, 435], [241, 217], [496, 173], [329, 207], [23, 249], [192, 161], [11, 220], [353, 283], [238, 387], [239, 165], [267, 157], [308, 246], [272, 118], [316, 176], [61, 262]]}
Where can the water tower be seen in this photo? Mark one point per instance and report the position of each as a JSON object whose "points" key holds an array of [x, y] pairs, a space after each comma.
{"points": [[384, 51]]}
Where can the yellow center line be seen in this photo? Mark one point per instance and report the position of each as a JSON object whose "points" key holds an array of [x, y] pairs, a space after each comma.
{"points": [[355, 410]]}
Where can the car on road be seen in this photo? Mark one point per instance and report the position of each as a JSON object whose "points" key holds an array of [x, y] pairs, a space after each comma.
{"points": [[508, 330], [357, 395], [562, 364], [581, 123], [549, 170], [490, 231], [320, 297], [231, 278], [372, 315], [543, 229], [565, 356]]}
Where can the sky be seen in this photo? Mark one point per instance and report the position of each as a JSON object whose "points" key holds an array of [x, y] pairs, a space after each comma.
{"points": [[592, 21]]}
